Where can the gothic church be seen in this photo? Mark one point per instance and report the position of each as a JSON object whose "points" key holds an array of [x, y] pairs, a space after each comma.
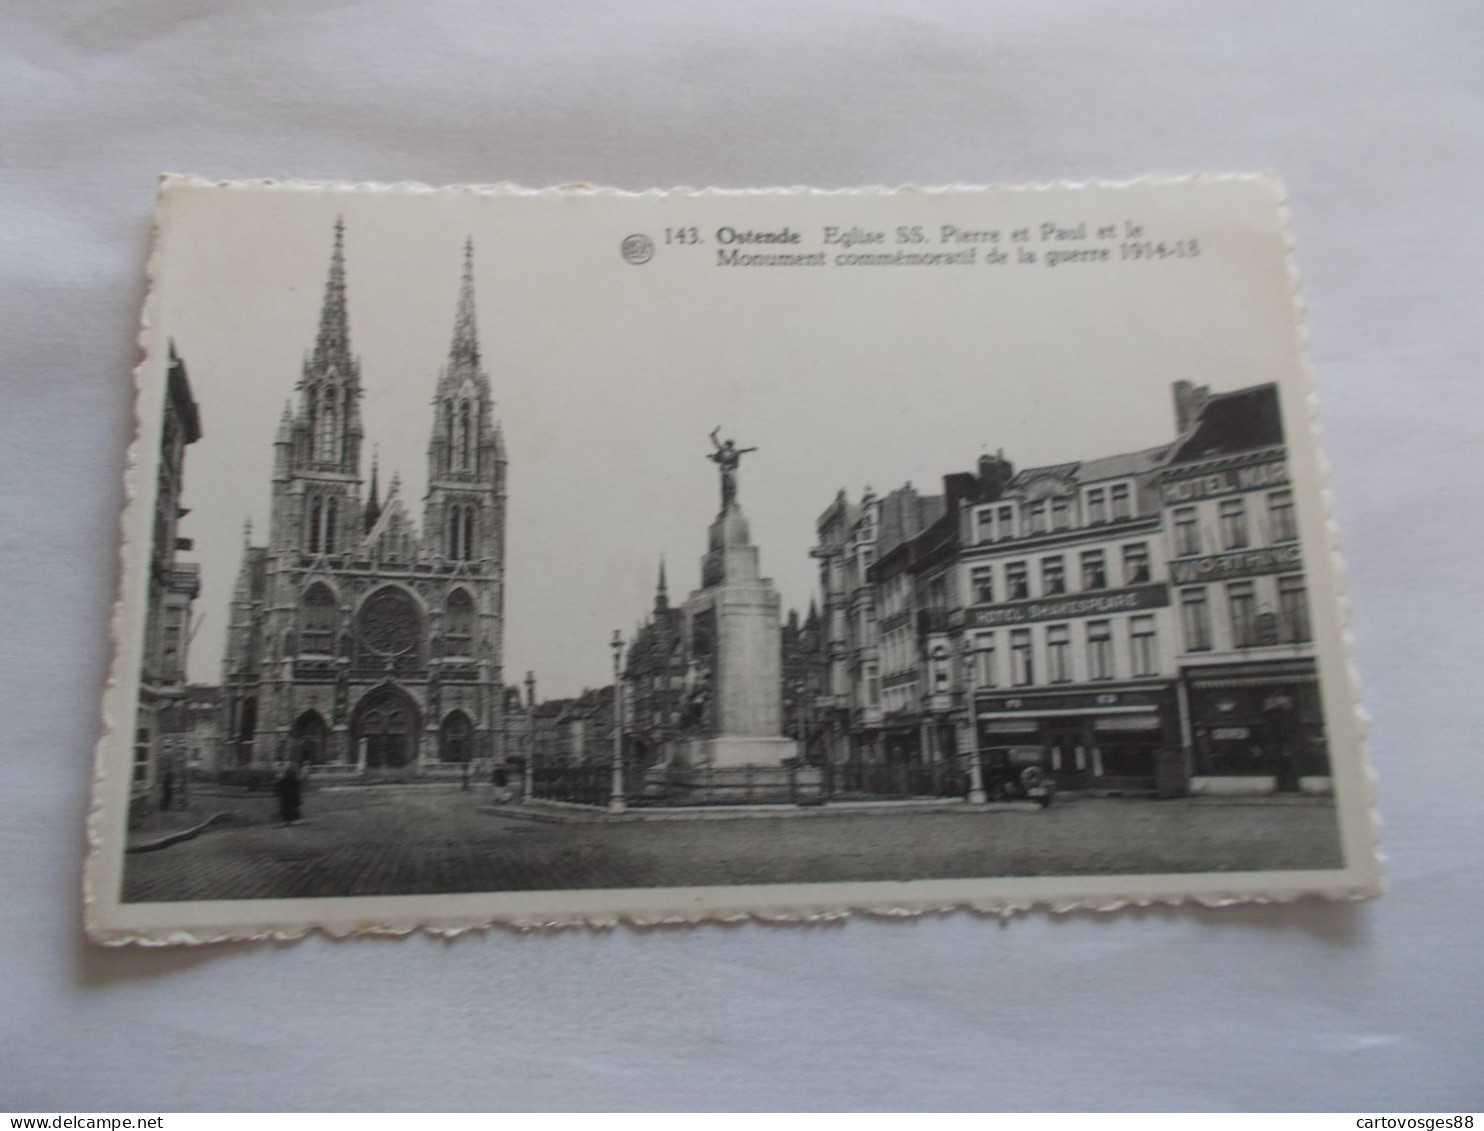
{"points": [[358, 642]]}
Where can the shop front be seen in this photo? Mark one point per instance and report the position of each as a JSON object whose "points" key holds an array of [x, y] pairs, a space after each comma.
{"points": [[1107, 740], [1257, 727]]}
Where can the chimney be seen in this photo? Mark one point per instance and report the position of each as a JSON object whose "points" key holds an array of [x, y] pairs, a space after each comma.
{"points": [[995, 473], [1190, 402]]}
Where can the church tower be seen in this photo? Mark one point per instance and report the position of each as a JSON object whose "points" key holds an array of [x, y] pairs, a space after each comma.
{"points": [[464, 512], [317, 506], [359, 643]]}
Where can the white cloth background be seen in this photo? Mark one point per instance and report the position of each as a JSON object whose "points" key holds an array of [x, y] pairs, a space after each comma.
{"points": [[1371, 112]]}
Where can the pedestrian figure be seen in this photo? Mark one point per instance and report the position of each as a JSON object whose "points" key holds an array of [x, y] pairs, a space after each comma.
{"points": [[290, 795], [167, 790]]}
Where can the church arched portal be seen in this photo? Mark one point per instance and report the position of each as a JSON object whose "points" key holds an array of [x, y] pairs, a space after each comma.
{"points": [[384, 728], [310, 744], [456, 738]]}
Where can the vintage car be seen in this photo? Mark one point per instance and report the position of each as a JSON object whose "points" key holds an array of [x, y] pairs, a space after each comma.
{"points": [[1015, 773]]}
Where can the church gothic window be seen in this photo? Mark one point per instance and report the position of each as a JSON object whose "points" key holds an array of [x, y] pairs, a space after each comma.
{"points": [[311, 739], [461, 519], [317, 620], [390, 629], [247, 725], [328, 435], [465, 437], [323, 525], [344, 452], [458, 624], [331, 513]]}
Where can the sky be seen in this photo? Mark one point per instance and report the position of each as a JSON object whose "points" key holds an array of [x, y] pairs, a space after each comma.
{"points": [[608, 376]]}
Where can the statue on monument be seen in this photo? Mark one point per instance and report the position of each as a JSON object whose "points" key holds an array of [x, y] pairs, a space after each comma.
{"points": [[727, 457]]}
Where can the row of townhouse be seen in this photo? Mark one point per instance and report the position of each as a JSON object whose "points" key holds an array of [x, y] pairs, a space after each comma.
{"points": [[1136, 622]]}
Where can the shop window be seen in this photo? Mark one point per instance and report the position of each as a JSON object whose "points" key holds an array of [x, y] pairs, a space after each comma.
{"points": [[1195, 619], [1058, 653], [1023, 672], [1293, 611], [1142, 645], [1187, 533], [984, 660], [1017, 582], [1053, 576], [1233, 524], [1119, 495], [1281, 524], [1099, 649], [1136, 563], [1094, 570], [1097, 506], [1242, 602]]}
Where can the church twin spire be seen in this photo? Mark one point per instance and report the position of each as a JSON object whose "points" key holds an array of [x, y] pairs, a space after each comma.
{"points": [[465, 349], [332, 343], [319, 439]]}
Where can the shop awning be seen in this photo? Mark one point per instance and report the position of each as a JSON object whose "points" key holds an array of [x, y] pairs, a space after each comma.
{"points": [[1252, 675]]}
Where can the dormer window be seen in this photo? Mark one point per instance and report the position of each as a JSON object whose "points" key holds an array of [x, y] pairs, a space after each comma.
{"points": [[1061, 513], [1122, 502], [984, 524], [1097, 506], [1036, 518], [1007, 521]]}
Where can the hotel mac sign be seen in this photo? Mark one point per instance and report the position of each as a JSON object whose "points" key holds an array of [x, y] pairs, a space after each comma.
{"points": [[1227, 481]]}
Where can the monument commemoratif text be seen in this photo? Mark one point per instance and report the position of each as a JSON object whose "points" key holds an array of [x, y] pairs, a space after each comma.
{"points": [[732, 623]]}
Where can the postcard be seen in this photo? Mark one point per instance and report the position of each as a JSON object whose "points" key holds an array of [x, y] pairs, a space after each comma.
{"points": [[532, 558]]}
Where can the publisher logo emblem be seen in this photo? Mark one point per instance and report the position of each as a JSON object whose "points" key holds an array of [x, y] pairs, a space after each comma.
{"points": [[637, 249]]}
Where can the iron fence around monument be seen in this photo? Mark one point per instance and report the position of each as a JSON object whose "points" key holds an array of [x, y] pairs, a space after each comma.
{"points": [[901, 781], [576, 785], [798, 784]]}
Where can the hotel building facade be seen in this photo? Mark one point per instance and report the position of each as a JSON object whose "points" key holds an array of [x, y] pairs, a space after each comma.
{"points": [[1135, 623]]}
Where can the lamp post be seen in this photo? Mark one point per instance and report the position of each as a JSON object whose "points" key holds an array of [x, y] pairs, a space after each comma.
{"points": [[528, 790], [801, 723], [616, 802], [977, 796]]}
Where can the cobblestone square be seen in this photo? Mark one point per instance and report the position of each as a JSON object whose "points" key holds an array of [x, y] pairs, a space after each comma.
{"points": [[423, 840]]}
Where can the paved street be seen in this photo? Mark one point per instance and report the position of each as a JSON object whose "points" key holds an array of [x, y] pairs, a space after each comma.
{"points": [[421, 841]]}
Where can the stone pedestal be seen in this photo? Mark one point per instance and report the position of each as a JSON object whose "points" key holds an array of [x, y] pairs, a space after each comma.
{"points": [[733, 619]]}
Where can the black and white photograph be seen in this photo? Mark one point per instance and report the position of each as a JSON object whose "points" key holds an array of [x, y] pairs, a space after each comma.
{"points": [[507, 556]]}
